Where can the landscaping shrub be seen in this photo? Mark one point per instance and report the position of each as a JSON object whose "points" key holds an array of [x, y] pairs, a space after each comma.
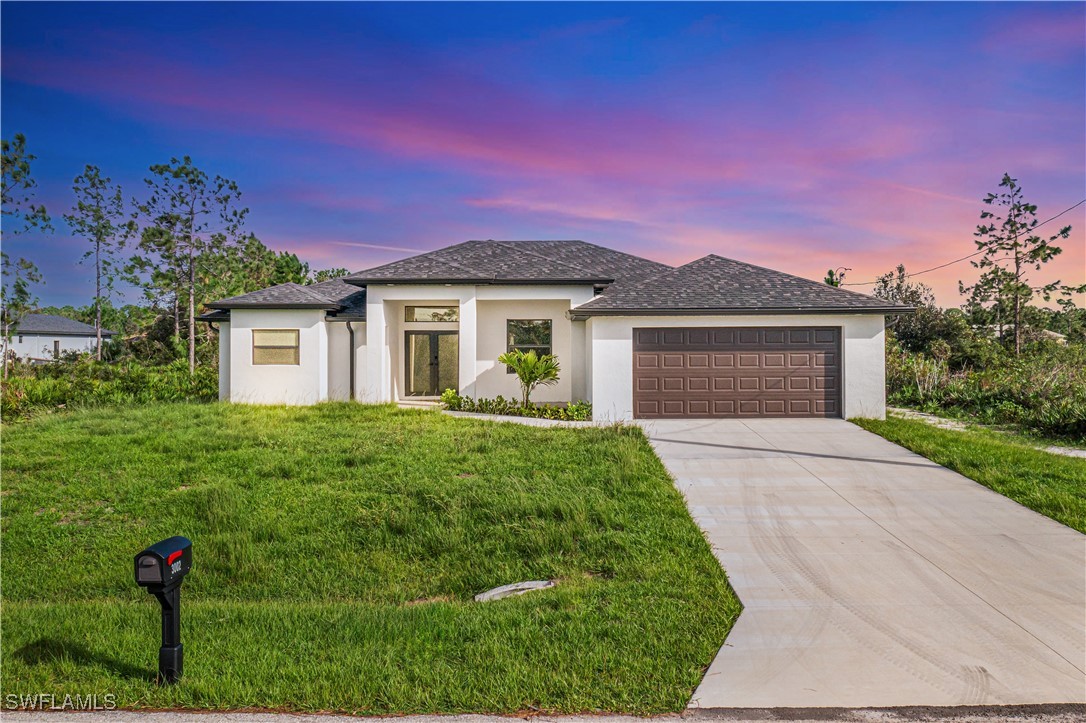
{"points": [[572, 412], [85, 382], [1044, 389]]}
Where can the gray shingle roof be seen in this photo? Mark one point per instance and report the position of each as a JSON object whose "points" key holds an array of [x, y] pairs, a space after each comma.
{"points": [[525, 262], [333, 296], [289, 295], [53, 324], [351, 299], [714, 284]]}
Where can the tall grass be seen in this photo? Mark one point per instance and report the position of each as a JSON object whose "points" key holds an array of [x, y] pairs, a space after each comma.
{"points": [[31, 390], [1043, 390]]}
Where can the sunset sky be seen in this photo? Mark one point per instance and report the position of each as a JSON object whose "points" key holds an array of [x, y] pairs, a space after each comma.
{"points": [[796, 136]]}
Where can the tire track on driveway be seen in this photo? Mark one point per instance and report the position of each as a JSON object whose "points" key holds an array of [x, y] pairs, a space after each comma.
{"points": [[866, 574]]}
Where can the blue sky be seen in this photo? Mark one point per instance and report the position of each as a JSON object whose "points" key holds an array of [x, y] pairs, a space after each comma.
{"points": [[797, 136]]}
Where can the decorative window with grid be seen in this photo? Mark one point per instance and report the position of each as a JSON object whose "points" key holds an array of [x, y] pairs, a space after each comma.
{"points": [[275, 346]]}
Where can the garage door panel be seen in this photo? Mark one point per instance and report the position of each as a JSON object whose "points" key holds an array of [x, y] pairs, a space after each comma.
{"points": [[737, 372], [673, 407], [697, 337], [751, 407], [722, 337], [799, 336], [774, 336], [723, 384], [723, 407], [747, 384], [647, 384], [672, 337], [800, 406], [774, 361], [697, 407], [750, 336], [646, 337], [647, 408], [698, 384]]}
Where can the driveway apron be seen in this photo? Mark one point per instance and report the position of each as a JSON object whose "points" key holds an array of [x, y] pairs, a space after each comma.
{"points": [[871, 576]]}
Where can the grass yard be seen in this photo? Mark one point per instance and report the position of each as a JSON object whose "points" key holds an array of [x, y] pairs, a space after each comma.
{"points": [[336, 552], [1051, 484]]}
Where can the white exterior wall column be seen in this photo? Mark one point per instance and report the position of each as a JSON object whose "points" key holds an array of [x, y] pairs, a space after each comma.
{"points": [[224, 362], [322, 361], [376, 384], [468, 343]]}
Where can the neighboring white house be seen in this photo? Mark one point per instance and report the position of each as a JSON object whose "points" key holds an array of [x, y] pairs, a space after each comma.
{"points": [[639, 339], [44, 337]]}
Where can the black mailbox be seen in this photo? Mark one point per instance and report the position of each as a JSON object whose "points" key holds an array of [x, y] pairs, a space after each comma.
{"points": [[161, 568], [164, 563]]}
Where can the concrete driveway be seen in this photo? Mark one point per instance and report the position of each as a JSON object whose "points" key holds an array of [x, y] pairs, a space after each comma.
{"points": [[871, 576]]}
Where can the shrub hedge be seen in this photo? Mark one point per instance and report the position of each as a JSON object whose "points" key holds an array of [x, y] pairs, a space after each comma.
{"points": [[572, 412]]}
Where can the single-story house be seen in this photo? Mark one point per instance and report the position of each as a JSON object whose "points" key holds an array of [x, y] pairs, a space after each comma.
{"points": [[637, 338], [44, 337]]}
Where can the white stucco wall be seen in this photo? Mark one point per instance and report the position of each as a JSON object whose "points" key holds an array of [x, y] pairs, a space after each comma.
{"points": [[484, 311], [493, 378], [224, 361], [339, 358], [304, 383], [40, 346], [862, 341]]}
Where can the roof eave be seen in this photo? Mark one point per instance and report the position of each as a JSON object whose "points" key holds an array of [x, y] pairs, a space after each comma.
{"points": [[480, 282], [44, 332], [582, 314], [301, 305]]}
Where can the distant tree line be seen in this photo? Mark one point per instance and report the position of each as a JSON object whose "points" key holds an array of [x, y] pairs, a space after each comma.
{"points": [[183, 243]]}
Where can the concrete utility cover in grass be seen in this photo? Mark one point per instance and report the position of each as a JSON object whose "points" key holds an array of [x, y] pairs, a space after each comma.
{"points": [[871, 576], [517, 588]]}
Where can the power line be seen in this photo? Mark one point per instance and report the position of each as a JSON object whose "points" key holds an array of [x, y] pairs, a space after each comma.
{"points": [[966, 258]]}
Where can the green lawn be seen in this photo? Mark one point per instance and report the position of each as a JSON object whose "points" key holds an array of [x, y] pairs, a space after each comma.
{"points": [[336, 551], [1051, 484]]}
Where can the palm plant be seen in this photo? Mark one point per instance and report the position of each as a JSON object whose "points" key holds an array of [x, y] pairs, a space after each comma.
{"points": [[532, 370]]}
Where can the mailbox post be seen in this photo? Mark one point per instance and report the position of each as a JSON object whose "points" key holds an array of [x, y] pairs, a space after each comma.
{"points": [[161, 569]]}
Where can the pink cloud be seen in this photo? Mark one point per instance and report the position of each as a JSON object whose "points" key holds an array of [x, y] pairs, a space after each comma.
{"points": [[1054, 35]]}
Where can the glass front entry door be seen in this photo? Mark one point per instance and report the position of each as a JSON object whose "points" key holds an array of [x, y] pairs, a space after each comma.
{"points": [[432, 362]]}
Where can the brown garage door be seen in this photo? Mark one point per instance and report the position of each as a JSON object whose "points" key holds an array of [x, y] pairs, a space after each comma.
{"points": [[737, 372]]}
